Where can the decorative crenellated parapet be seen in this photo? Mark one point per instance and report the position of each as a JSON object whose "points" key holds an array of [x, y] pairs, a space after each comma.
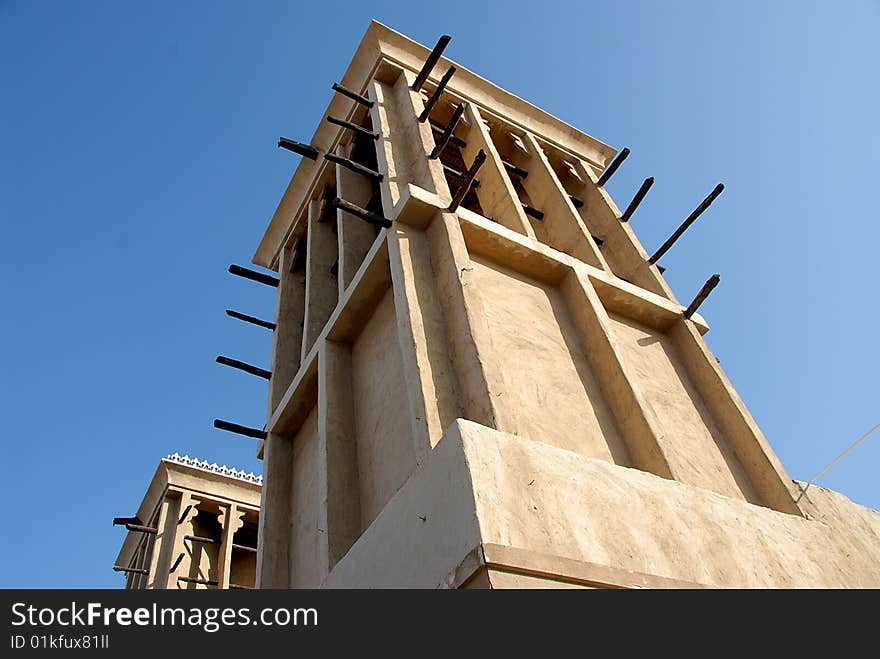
{"points": [[213, 467]]}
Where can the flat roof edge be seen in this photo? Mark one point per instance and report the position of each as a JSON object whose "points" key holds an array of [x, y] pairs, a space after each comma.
{"points": [[381, 42]]}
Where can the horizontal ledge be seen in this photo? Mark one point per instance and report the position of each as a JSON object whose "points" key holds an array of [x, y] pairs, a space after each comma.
{"points": [[560, 568]]}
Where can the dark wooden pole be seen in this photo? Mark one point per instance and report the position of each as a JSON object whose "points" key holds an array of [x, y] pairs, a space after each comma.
{"points": [[432, 101], [513, 169], [202, 582], [241, 430], [533, 212], [446, 136], [306, 150], [431, 62], [353, 166], [609, 171], [357, 98], [711, 283], [357, 129], [469, 177], [142, 529], [134, 570], [176, 562], [244, 366], [689, 221], [646, 185], [253, 275], [244, 548], [201, 539], [362, 213], [250, 319], [439, 128]]}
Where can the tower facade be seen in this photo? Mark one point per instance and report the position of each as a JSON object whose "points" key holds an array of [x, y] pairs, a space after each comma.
{"points": [[195, 528], [481, 378]]}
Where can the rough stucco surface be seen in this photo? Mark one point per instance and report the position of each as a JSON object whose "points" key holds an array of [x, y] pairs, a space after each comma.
{"points": [[423, 531], [244, 569], [304, 564], [552, 394], [431, 328], [203, 558], [484, 486], [385, 452], [695, 447], [535, 496]]}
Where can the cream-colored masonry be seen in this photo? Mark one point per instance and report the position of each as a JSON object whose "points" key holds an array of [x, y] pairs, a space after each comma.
{"points": [[556, 331], [207, 529]]}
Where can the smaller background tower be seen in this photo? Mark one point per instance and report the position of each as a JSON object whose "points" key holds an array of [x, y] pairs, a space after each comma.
{"points": [[195, 528]]}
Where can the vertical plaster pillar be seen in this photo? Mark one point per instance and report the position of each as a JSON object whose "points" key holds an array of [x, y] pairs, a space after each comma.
{"points": [[231, 520], [159, 545], [186, 512]]}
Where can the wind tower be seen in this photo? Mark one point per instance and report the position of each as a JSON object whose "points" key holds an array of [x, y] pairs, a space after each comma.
{"points": [[195, 528], [480, 377]]}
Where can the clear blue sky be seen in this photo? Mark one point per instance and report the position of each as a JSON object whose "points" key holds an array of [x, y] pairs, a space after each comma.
{"points": [[139, 160]]}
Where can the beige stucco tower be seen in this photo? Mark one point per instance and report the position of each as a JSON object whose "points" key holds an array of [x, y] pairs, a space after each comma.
{"points": [[500, 389]]}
